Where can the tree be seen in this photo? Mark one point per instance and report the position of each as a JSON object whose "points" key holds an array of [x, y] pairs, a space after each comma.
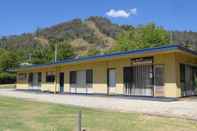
{"points": [[8, 60], [64, 50], [142, 37], [40, 55]]}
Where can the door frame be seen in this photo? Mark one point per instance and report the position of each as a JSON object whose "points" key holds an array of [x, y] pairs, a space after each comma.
{"points": [[108, 87], [154, 73], [35, 82]]}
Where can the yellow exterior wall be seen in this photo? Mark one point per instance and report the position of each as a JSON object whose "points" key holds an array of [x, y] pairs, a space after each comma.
{"points": [[172, 70], [169, 60], [99, 75], [170, 86]]}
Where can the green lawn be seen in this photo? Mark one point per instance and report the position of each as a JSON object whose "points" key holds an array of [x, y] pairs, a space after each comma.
{"points": [[20, 115]]}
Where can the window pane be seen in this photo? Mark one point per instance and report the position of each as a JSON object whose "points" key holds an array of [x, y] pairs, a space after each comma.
{"points": [[73, 77], [159, 76]]}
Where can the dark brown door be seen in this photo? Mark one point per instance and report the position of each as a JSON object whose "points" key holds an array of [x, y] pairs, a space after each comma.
{"points": [[61, 82]]}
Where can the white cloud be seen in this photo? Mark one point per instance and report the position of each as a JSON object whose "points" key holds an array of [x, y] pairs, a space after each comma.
{"points": [[133, 11], [121, 13]]}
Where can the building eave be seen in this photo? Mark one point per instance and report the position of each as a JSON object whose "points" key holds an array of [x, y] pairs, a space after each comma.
{"points": [[162, 49]]}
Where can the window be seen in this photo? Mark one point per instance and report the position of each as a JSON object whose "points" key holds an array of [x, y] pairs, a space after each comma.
{"points": [[89, 76], [159, 75], [50, 77], [73, 77], [82, 77], [22, 76]]}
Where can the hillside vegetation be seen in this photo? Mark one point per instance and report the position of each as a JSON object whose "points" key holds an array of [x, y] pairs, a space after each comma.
{"points": [[94, 35]]}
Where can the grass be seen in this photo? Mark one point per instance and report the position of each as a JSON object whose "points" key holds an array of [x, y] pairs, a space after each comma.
{"points": [[7, 86], [20, 115]]}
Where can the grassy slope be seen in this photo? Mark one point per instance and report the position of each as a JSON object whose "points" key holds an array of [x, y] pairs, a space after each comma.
{"points": [[19, 115]]}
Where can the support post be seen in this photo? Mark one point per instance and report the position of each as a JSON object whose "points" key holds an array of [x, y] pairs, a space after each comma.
{"points": [[56, 79], [79, 121]]}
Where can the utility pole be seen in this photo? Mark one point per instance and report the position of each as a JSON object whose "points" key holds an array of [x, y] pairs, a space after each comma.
{"points": [[56, 74], [55, 52], [171, 37]]}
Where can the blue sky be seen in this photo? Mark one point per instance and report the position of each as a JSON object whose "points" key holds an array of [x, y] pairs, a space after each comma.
{"points": [[18, 16]]}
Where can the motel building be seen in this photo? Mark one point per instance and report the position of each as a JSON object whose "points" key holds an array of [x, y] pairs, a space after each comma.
{"points": [[168, 71]]}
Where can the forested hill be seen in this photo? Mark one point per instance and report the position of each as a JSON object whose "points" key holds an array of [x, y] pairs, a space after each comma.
{"points": [[79, 37], [94, 35], [85, 37]]}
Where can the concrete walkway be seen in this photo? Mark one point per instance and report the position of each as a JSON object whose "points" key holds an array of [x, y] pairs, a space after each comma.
{"points": [[184, 108]]}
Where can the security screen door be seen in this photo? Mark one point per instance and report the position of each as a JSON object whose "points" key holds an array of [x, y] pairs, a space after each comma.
{"points": [[81, 79], [188, 79], [138, 80]]}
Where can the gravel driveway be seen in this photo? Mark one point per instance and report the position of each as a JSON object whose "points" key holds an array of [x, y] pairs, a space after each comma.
{"points": [[184, 109]]}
